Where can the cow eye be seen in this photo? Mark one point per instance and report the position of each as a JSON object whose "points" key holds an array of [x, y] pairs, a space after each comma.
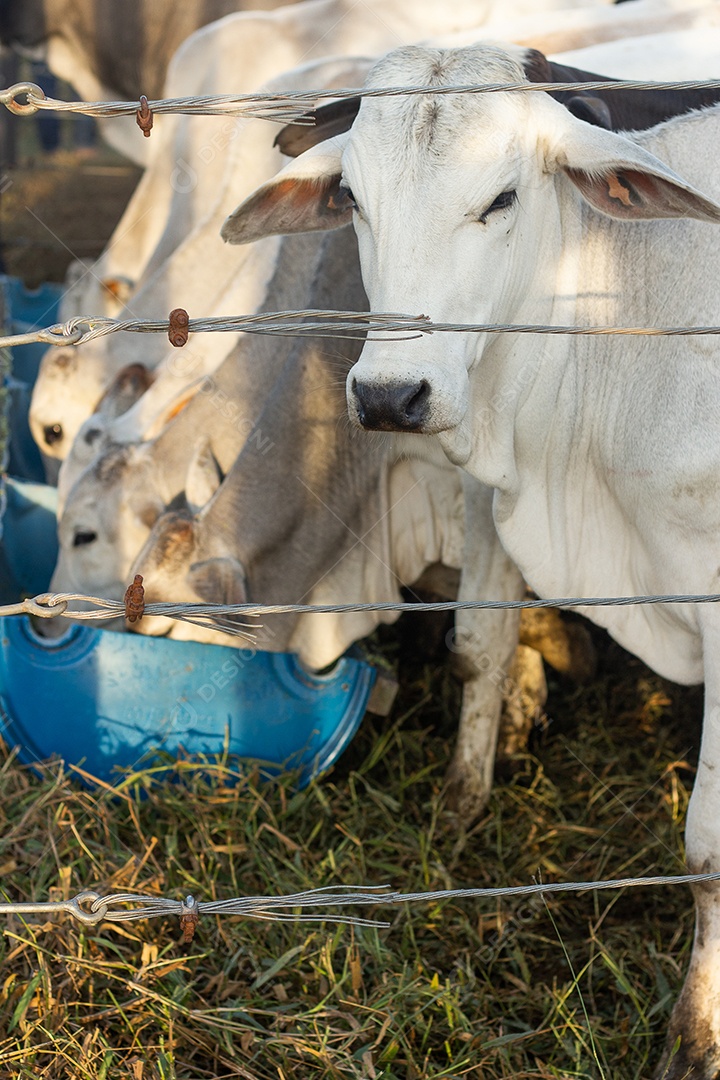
{"points": [[81, 538], [504, 200]]}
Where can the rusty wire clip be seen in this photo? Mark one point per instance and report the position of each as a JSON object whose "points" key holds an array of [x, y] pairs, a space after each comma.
{"points": [[144, 117], [179, 322], [135, 600], [189, 919]]}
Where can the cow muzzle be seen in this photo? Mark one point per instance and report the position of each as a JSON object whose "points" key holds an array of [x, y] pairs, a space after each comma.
{"points": [[391, 406], [53, 433]]}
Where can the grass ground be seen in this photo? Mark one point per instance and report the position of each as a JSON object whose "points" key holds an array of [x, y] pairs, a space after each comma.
{"points": [[575, 987]]}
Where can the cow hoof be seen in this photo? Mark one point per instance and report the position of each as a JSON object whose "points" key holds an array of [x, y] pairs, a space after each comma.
{"points": [[697, 1057], [465, 796]]}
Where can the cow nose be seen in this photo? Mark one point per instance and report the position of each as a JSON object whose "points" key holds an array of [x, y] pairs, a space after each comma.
{"points": [[52, 433], [392, 406]]}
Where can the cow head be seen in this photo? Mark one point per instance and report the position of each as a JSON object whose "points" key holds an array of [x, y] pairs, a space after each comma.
{"points": [[100, 432], [461, 204], [111, 509], [183, 560], [72, 383], [92, 438], [105, 522]]}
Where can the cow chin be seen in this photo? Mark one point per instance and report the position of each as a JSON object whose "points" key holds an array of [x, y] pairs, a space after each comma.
{"points": [[457, 442]]}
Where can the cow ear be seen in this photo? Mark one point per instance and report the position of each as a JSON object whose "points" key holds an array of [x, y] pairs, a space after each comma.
{"points": [[593, 110], [203, 476], [304, 196], [327, 121], [629, 193], [127, 387], [219, 581], [170, 409], [623, 180]]}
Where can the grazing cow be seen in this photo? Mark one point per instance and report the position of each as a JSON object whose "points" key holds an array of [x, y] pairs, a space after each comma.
{"points": [[604, 455]]}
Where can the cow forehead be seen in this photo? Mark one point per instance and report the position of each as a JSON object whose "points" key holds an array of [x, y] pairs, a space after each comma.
{"points": [[434, 134], [415, 65], [437, 188], [409, 135]]}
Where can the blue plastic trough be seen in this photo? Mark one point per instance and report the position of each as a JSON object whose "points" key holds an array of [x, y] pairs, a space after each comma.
{"points": [[102, 700], [106, 701]]}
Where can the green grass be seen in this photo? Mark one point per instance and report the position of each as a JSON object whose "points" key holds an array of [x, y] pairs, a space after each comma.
{"points": [[576, 987]]}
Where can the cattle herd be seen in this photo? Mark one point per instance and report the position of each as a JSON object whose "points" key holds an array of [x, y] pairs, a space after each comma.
{"points": [[321, 470]]}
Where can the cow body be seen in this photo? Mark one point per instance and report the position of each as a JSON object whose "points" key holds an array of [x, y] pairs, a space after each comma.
{"points": [[604, 455]]}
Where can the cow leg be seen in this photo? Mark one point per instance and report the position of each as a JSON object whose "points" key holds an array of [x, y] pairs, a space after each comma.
{"points": [[484, 644], [565, 646], [696, 1016]]}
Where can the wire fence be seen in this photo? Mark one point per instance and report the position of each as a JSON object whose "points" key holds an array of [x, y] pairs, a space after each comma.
{"points": [[90, 907], [225, 617], [291, 106], [326, 323]]}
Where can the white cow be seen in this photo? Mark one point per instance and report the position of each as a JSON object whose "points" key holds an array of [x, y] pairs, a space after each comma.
{"points": [[604, 454], [199, 167]]}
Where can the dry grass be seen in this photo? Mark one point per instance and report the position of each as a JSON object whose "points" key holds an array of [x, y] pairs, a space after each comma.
{"points": [[580, 987]]}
